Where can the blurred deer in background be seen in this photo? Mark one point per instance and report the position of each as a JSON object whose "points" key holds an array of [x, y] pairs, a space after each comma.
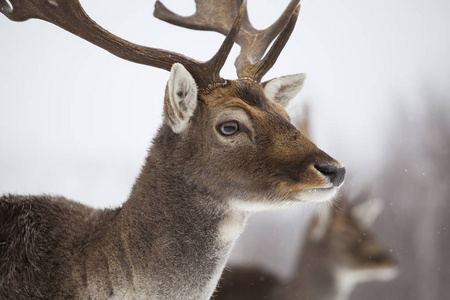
{"points": [[339, 252], [226, 147]]}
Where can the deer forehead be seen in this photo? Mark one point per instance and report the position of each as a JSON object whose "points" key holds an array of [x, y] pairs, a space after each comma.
{"points": [[248, 97]]}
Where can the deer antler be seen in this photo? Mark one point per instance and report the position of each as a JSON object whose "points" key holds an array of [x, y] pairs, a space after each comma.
{"points": [[220, 15], [69, 15]]}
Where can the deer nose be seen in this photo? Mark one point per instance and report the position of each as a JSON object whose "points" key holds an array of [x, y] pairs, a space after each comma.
{"points": [[335, 174]]}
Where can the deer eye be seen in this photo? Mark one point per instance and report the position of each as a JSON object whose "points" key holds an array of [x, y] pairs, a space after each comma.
{"points": [[228, 128]]}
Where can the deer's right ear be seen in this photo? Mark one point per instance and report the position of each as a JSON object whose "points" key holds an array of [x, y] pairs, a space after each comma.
{"points": [[367, 212], [283, 89], [180, 100]]}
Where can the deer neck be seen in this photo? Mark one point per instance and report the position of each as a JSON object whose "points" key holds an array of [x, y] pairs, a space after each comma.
{"points": [[314, 277], [319, 276], [173, 231]]}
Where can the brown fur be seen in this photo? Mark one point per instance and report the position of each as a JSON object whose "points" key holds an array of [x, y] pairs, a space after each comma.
{"points": [[41, 245]]}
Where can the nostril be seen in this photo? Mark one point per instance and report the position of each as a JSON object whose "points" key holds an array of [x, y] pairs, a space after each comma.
{"points": [[335, 174]]}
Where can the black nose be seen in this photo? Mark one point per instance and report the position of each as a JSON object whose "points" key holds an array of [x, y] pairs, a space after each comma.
{"points": [[335, 174]]}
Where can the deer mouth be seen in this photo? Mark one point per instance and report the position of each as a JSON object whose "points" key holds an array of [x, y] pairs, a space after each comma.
{"points": [[321, 194], [311, 195]]}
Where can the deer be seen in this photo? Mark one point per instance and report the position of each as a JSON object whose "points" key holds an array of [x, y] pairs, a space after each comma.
{"points": [[339, 252], [225, 148]]}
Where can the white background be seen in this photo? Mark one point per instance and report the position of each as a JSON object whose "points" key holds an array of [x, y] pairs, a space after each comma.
{"points": [[77, 121]]}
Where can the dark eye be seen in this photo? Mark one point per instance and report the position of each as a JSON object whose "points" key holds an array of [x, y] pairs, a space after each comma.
{"points": [[228, 128]]}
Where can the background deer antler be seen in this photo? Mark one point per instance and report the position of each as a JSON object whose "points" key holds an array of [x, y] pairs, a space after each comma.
{"points": [[70, 15], [253, 42]]}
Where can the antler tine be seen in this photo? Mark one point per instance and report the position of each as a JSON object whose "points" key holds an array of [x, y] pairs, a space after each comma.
{"points": [[258, 70], [255, 42], [218, 17], [218, 60], [69, 15]]}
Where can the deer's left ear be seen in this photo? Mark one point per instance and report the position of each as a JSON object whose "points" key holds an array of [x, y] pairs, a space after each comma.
{"points": [[283, 89]]}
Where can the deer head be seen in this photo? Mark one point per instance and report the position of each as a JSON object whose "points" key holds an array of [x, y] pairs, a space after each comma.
{"points": [[350, 249], [237, 130]]}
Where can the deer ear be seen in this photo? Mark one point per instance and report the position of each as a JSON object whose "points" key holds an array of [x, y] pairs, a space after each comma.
{"points": [[180, 100], [367, 212], [283, 89]]}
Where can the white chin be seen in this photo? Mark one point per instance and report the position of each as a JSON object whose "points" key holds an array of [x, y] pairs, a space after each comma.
{"points": [[318, 194], [311, 195]]}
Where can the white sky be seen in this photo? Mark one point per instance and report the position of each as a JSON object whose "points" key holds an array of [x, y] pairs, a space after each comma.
{"points": [[77, 121]]}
